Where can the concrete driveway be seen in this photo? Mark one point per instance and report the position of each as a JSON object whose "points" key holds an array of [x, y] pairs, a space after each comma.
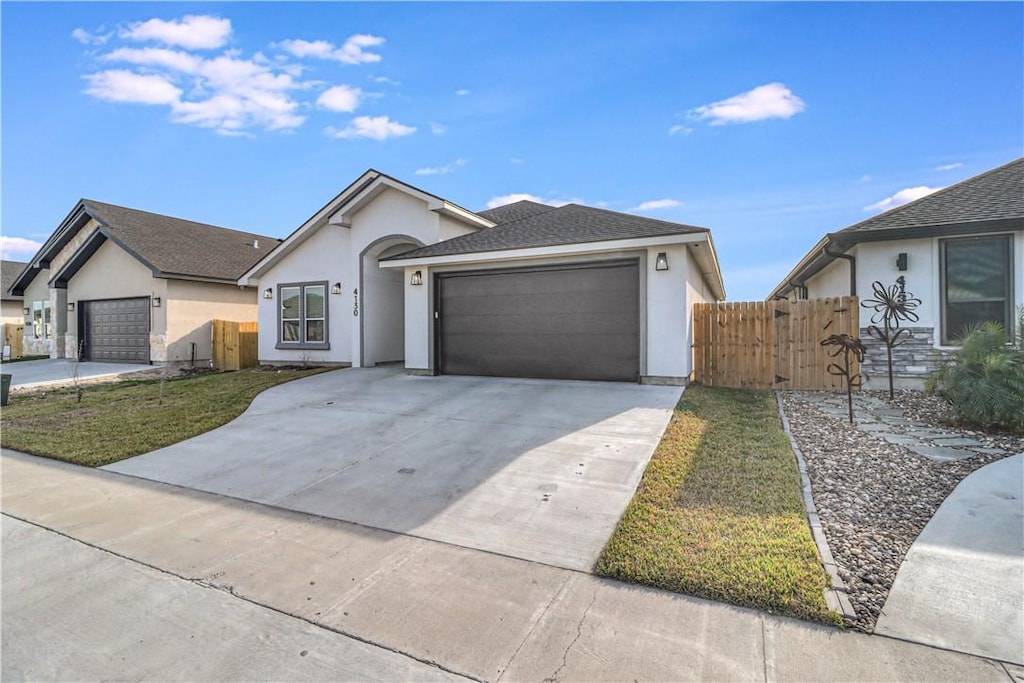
{"points": [[535, 469], [961, 585], [57, 371]]}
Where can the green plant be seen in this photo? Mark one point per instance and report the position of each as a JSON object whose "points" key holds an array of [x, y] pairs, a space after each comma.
{"points": [[984, 378]]}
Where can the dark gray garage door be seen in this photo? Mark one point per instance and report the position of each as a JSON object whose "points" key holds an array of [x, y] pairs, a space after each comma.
{"points": [[578, 322], [116, 330]]}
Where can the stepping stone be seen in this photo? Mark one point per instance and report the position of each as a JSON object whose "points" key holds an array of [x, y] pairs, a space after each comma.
{"points": [[957, 441], [901, 439], [941, 453], [988, 450], [872, 427]]}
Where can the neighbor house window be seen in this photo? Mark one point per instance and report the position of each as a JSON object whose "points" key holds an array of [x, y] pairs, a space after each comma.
{"points": [[42, 320], [302, 320], [976, 287]]}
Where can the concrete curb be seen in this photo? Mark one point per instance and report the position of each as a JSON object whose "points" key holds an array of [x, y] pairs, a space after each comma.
{"points": [[836, 596]]}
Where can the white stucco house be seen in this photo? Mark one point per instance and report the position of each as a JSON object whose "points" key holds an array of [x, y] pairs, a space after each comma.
{"points": [[118, 284], [960, 251], [388, 273]]}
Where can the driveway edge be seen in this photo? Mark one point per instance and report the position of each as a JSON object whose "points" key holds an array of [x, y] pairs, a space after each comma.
{"points": [[835, 596]]}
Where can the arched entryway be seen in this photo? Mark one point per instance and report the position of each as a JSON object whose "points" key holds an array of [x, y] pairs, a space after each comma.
{"points": [[382, 302]]}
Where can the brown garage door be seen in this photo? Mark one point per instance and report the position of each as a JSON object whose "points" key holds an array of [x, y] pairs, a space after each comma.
{"points": [[115, 330], [565, 322]]}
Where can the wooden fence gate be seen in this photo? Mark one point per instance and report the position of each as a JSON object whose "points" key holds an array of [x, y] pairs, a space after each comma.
{"points": [[771, 344], [235, 345], [14, 337]]}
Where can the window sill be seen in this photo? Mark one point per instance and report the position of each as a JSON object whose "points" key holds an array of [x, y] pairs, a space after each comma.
{"points": [[325, 346]]}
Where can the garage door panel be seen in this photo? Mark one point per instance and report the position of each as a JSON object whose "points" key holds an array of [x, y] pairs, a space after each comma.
{"points": [[579, 322], [116, 330]]}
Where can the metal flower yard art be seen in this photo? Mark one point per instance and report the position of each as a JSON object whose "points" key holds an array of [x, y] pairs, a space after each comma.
{"points": [[892, 306], [845, 344]]}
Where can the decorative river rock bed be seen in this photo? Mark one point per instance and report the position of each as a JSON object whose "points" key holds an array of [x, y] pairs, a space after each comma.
{"points": [[873, 492]]}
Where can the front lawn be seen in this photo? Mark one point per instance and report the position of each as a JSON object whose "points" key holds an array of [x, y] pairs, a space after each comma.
{"points": [[718, 513], [116, 421]]}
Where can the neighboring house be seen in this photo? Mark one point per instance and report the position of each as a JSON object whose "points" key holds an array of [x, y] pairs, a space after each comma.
{"points": [[960, 251], [124, 285], [386, 272], [11, 313]]}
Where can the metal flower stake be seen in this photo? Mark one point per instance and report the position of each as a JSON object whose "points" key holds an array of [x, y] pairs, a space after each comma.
{"points": [[845, 345], [892, 306]]}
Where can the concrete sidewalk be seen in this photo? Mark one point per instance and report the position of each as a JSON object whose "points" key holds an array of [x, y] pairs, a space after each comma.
{"points": [[56, 372], [475, 613], [962, 583]]}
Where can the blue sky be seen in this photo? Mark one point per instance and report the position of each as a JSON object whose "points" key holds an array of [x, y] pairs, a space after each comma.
{"points": [[771, 124]]}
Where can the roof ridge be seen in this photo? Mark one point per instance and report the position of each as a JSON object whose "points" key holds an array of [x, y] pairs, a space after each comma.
{"points": [[636, 215], [938, 193], [85, 201]]}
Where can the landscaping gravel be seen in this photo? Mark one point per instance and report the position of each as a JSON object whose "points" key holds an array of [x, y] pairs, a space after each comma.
{"points": [[936, 411], [875, 497]]}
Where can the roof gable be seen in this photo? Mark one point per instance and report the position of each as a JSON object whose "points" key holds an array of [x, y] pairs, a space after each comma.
{"points": [[9, 272]]}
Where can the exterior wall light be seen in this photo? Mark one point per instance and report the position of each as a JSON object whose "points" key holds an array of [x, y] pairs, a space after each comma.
{"points": [[417, 278], [661, 263], [268, 293], [71, 306], [156, 302], [901, 261], [26, 310], [336, 288]]}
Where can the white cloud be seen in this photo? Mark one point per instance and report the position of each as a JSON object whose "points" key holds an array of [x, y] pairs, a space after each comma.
{"points": [[117, 85], [11, 248], [680, 130], [353, 51], [438, 128], [462, 92], [655, 204], [86, 38], [384, 79], [194, 32], [441, 170], [948, 167], [504, 199], [902, 197], [340, 98], [516, 160], [156, 56], [865, 178], [771, 101], [372, 127]]}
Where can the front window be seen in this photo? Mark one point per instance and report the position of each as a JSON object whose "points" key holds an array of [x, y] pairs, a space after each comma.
{"points": [[303, 315], [976, 288], [42, 320]]}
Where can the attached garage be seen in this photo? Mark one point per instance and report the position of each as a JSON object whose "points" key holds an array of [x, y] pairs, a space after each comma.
{"points": [[115, 330], [555, 322]]}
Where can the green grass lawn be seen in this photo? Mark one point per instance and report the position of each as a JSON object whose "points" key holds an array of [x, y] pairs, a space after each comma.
{"points": [[116, 421], [718, 513]]}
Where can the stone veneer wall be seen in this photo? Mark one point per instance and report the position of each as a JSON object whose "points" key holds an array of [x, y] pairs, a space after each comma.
{"points": [[914, 359]]}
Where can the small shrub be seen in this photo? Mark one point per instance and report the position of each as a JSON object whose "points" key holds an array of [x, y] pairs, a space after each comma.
{"points": [[984, 379]]}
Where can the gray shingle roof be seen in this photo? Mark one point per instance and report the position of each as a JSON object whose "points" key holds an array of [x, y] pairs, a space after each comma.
{"points": [[569, 224], [9, 271], [175, 246], [514, 211], [994, 195]]}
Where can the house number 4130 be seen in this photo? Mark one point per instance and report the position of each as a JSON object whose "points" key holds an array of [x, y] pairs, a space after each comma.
{"points": [[355, 302]]}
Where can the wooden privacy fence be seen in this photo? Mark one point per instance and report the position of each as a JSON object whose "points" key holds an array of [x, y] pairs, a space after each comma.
{"points": [[14, 337], [770, 344], [235, 345]]}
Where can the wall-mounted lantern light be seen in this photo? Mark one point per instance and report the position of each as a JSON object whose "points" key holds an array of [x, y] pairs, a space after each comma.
{"points": [[336, 288], [417, 278], [156, 302], [661, 263], [268, 293], [26, 310], [71, 306], [901, 261]]}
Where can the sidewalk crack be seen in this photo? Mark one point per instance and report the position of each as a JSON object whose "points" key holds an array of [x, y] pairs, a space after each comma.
{"points": [[579, 633]]}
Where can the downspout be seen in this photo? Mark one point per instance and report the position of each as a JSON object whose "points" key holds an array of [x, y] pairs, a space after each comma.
{"points": [[853, 267]]}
